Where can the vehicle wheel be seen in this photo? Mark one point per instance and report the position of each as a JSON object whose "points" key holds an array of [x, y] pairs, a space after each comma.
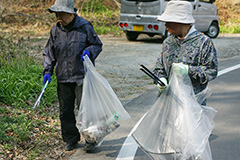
{"points": [[213, 30], [132, 36]]}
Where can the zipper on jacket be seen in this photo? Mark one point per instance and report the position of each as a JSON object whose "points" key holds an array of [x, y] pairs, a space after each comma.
{"points": [[68, 72]]}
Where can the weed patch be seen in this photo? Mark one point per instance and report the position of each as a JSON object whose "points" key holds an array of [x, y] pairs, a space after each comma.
{"points": [[26, 133]]}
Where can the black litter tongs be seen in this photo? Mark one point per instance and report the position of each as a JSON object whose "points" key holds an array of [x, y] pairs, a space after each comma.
{"points": [[151, 75]]}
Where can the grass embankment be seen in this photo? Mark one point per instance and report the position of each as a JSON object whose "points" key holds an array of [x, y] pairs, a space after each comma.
{"points": [[31, 17], [25, 133], [229, 15]]}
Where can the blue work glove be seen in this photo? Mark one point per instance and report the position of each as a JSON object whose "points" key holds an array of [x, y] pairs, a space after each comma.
{"points": [[85, 52], [46, 77], [163, 88], [180, 68]]}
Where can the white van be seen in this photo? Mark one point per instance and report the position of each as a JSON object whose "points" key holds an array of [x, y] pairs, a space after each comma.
{"points": [[140, 17]]}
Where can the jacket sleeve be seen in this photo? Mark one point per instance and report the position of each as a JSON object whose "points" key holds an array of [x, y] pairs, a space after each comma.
{"points": [[48, 56], [93, 41], [208, 68], [159, 69]]}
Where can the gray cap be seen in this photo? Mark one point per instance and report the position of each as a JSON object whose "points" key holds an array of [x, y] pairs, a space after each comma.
{"points": [[63, 6]]}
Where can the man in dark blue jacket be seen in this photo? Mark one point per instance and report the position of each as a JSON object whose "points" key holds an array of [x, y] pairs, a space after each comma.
{"points": [[70, 39]]}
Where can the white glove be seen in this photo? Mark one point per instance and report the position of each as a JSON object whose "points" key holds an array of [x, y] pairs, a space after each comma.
{"points": [[163, 88], [180, 68]]}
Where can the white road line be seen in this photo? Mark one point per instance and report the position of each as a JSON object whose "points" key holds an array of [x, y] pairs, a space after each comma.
{"points": [[130, 147], [228, 69]]}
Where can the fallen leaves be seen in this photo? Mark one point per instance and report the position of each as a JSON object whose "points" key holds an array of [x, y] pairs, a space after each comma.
{"points": [[43, 140]]}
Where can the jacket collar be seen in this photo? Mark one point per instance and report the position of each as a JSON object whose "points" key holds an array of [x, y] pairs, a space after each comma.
{"points": [[191, 34], [192, 29], [78, 23]]}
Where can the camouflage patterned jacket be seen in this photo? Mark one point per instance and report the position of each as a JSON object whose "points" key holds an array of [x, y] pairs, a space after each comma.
{"points": [[197, 51], [64, 50]]}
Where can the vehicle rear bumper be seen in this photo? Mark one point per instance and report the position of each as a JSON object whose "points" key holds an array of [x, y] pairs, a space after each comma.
{"points": [[140, 23]]}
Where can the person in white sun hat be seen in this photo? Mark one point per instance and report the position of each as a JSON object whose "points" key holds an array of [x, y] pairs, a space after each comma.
{"points": [[186, 50]]}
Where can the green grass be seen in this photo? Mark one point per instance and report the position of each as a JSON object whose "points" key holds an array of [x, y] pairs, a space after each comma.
{"points": [[14, 128], [95, 6], [233, 27], [21, 78], [20, 85], [105, 30], [103, 19]]}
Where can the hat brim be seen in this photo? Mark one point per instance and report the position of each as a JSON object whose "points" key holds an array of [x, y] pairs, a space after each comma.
{"points": [[167, 18]]}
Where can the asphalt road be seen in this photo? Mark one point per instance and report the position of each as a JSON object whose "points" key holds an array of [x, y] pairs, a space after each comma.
{"points": [[225, 141], [122, 55]]}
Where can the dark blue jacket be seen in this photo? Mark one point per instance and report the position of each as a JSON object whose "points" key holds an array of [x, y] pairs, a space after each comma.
{"points": [[64, 50]]}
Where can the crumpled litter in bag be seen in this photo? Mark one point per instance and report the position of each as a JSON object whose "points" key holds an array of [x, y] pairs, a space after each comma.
{"points": [[100, 111], [177, 127]]}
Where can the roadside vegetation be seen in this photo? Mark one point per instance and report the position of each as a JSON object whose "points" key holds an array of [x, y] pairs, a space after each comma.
{"points": [[25, 133], [229, 15], [35, 134]]}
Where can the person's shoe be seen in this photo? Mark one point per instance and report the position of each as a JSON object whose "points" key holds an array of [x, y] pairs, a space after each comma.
{"points": [[71, 146], [89, 146]]}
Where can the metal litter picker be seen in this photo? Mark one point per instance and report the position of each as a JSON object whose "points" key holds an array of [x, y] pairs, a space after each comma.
{"points": [[37, 103], [151, 75]]}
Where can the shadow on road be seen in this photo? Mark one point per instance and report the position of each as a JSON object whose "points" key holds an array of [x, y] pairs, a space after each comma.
{"points": [[112, 147], [150, 40], [146, 39]]}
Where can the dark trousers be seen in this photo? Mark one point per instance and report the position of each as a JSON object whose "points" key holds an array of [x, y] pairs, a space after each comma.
{"points": [[68, 95]]}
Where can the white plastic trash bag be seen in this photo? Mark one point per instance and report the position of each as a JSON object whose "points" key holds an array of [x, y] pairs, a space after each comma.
{"points": [[100, 111], [177, 127]]}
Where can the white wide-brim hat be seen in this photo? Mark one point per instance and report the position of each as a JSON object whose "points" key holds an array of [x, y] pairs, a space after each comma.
{"points": [[178, 12], [66, 6]]}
